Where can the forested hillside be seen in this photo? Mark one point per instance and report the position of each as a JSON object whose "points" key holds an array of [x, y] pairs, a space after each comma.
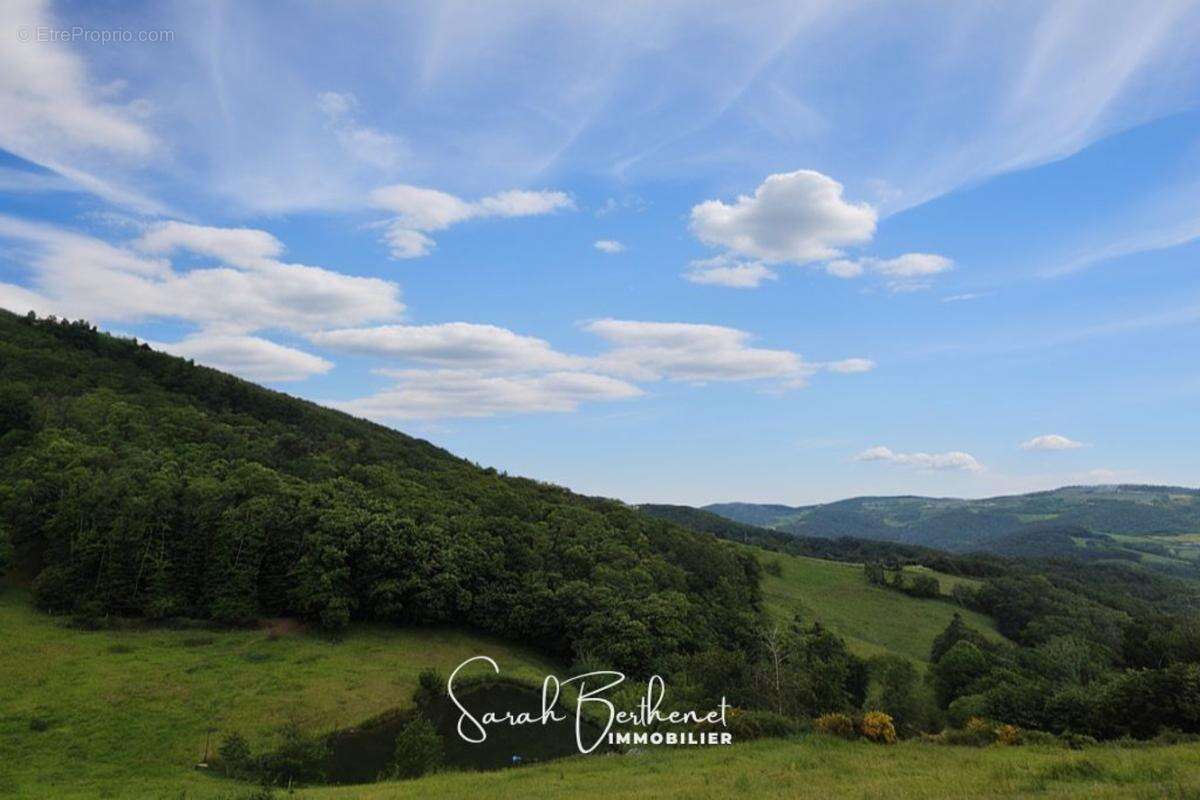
{"points": [[136, 483], [1154, 524]]}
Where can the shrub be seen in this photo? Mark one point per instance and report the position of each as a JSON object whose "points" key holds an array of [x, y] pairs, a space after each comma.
{"points": [[430, 686], [964, 708], [838, 725], [418, 749], [300, 758], [877, 727], [978, 732], [234, 755], [1008, 735], [773, 567], [1076, 741]]}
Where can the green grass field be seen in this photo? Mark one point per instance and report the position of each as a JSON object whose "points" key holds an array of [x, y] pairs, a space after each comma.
{"points": [[872, 619], [819, 767], [128, 711]]}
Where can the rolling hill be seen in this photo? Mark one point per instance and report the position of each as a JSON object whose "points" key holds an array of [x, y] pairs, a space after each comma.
{"points": [[137, 484], [1110, 516]]}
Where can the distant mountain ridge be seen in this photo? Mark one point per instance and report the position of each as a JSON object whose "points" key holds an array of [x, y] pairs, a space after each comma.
{"points": [[958, 525]]}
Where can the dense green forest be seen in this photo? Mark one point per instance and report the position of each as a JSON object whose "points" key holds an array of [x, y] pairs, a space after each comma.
{"points": [[137, 483]]}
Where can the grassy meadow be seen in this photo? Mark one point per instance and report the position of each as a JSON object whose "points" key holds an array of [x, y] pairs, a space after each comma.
{"points": [[87, 714], [872, 619], [125, 714], [820, 767]]}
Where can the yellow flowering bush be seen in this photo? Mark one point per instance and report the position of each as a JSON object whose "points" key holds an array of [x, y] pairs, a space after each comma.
{"points": [[878, 727], [1008, 734]]}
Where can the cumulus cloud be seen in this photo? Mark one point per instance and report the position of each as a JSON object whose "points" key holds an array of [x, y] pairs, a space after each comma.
{"points": [[78, 275], [1050, 441], [609, 246], [420, 210], [250, 357], [953, 460], [431, 394], [243, 247], [691, 352], [483, 370], [795, 217], [451, 344], [725, 270]]}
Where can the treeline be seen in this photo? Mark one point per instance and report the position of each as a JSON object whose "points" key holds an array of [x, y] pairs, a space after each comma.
{"points": [[136, 483], [1068, 683]]}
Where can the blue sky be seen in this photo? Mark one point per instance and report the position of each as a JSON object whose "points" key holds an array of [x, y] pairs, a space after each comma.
{"points": [[679, 252]]}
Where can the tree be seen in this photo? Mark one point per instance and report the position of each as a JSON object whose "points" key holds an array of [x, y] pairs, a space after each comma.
{"points": [[896, 690], [957, 671], [956, 631], [418, 749]]}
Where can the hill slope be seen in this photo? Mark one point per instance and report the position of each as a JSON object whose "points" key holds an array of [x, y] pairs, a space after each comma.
{"points": [[974, 525], [125, 713], [872, 619], [136, 483]]}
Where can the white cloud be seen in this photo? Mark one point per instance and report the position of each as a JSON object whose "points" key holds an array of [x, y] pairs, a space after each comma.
{"points": [[960, 298], [795, 217], [483, 370], [56, 117], [905, 271], [911, 265], [20, 300], [244, 247], [250, 357], [609, 246], [371, 146], [452, 344], [81, 276], [844, 268], [849, 366], [336, 105], [725, 270], [690, 352], [953, 460], [431, 394], [1050, 441], [420, 210]]}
